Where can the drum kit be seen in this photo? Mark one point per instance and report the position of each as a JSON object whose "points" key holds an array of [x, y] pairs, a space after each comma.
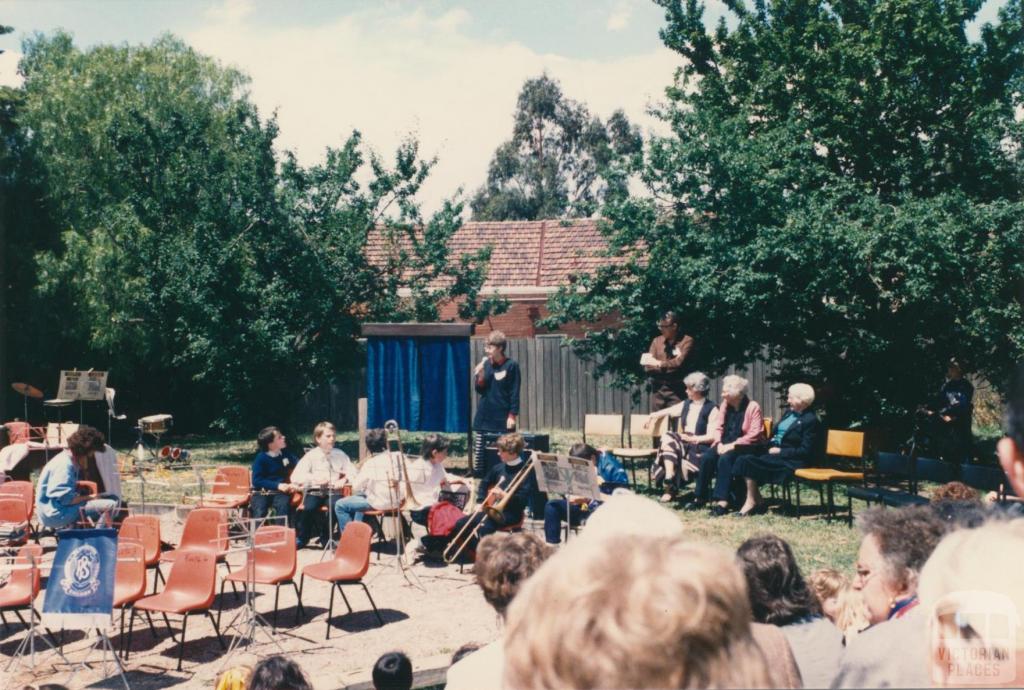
{"points": [[156, 425]]}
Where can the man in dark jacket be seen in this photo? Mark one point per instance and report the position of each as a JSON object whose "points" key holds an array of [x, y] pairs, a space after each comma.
{"points": [[947, 418]]}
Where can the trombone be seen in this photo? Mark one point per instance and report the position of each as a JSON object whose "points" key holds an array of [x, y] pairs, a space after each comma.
{"points": [[393, 433], [488, 509]]}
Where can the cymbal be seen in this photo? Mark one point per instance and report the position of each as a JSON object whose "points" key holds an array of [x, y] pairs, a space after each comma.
{"points": [[27, 390]]}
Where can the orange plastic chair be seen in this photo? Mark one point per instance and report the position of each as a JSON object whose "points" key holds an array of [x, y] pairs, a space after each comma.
{"points": [[230, 488], [349, 565], [27, 493], [146, 529], [23, 586], [129, 577], [191, 587], [14, 525], [272, 563], [206, 529]]}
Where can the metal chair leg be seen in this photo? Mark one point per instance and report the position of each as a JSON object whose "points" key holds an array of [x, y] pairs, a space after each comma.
{"points": [[373, 604], [330, 612], [277, 594], [181, 646], [344, 598], [300, 613], [170, 630], [128, 644], [216, 629]]}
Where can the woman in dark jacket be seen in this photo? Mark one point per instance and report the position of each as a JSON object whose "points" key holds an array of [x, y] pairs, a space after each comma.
{"points": [[795, 443]]}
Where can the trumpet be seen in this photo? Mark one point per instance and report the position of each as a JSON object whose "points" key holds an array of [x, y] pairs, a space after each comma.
{"points": [[470, 529], [394, 434]]}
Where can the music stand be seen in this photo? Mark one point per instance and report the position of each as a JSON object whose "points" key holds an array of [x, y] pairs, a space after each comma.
{"points": [[248, 621]]}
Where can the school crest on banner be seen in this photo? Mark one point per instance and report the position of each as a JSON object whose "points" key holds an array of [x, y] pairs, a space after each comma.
{"points": [[81, 590]]}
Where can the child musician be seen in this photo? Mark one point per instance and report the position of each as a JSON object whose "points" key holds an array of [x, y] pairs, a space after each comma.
{"points": [[613, 476], [323, 468], [270, 471]]}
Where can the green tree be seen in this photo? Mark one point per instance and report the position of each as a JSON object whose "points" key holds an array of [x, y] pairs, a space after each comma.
{"points": [[841, 193], [561, 161], [213, 279]]}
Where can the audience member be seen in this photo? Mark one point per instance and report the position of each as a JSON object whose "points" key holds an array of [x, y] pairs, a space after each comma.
{"points": [[827, 584], [634, 612], [503, 564], [393, 671], [679, 452], [894, 548], [278, 673], [796, 443], [954, 491], [234, 678], [973, 593], [780, 596]]}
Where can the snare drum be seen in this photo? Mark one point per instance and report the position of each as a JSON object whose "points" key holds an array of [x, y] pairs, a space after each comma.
{"points": [[156, 423]]}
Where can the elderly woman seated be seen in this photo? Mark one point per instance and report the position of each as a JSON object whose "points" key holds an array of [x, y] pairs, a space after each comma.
{"points": [[739, 431], [680, 451], [795, 443]]}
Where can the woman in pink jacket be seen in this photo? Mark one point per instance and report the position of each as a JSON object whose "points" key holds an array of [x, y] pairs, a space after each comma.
{"points": [[739, 431]]}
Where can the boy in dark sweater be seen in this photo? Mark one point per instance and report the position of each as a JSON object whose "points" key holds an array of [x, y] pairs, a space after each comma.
{"points": [[271, 470]]}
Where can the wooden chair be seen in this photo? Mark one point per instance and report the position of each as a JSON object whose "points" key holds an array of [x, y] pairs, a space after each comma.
{"points": [[350, 563], [190, 589], [638, 432], [840, 444], [608, 425], [272, 563]]}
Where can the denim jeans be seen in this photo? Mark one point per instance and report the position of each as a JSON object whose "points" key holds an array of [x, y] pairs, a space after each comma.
{"points": [[554, 513], [350, 508]]}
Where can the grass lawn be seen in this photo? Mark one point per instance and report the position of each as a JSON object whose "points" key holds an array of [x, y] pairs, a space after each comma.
{"points": [[816, 543]]}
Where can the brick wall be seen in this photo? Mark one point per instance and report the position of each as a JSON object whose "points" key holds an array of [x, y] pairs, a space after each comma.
{"points": [[520, 321]]}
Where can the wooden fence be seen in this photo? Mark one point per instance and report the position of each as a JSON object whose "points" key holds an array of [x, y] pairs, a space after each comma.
{"points": [[558, 389]]}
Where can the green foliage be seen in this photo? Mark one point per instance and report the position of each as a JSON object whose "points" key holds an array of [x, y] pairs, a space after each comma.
{"points": [[841, 193], [213, 280], [560, 163]]}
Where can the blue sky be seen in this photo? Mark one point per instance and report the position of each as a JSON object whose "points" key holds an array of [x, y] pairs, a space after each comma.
{"points": [[444, 71]]}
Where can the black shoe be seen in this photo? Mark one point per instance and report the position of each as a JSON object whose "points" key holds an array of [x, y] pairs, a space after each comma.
{"points": [[693, 505], [719, 511]]}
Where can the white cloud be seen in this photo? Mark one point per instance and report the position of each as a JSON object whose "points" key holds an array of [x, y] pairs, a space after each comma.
{"points": [[620, 17], [9, 68], [391, 75], [230, 11]]}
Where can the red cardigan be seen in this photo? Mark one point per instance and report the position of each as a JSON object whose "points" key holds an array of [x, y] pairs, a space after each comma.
{"points": [[753, 425]]}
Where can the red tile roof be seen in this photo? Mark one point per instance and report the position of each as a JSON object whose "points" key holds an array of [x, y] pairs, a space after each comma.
{"points": [[524, 253]]}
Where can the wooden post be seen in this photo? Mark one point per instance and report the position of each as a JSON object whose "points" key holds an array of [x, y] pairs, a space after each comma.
{"points": [[362, 429]]}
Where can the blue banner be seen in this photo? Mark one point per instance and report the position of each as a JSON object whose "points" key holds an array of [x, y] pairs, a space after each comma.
{"points": [[80, 591]]}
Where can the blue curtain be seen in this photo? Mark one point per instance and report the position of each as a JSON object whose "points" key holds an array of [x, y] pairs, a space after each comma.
{"points": [[422, 383]]}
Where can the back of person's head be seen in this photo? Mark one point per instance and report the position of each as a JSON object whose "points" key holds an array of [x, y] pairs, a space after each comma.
{"points": [[503, 564], [826, 583], [266, 437], [434, 443], [634, 612], [954, 491], [393, 671], [625, 514], [583, 450], [86, 440], [234, 678], [972, 589], [851, 613], [512, 444], [278, 673], [779, 595], [376, 440]]}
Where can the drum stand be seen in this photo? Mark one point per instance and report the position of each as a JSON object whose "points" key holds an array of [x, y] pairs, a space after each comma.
{"points": [[27, 648], [248, 621]]}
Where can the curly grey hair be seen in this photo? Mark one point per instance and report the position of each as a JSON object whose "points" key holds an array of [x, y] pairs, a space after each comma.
{"points": [[906, 538], [698, 381]]}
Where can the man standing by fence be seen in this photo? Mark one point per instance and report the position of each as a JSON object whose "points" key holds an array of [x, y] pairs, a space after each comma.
{"points": [[664, 363], [497, 380]]}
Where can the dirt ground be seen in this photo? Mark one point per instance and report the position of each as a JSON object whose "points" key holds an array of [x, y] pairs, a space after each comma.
{"points": [[429, 619]]}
